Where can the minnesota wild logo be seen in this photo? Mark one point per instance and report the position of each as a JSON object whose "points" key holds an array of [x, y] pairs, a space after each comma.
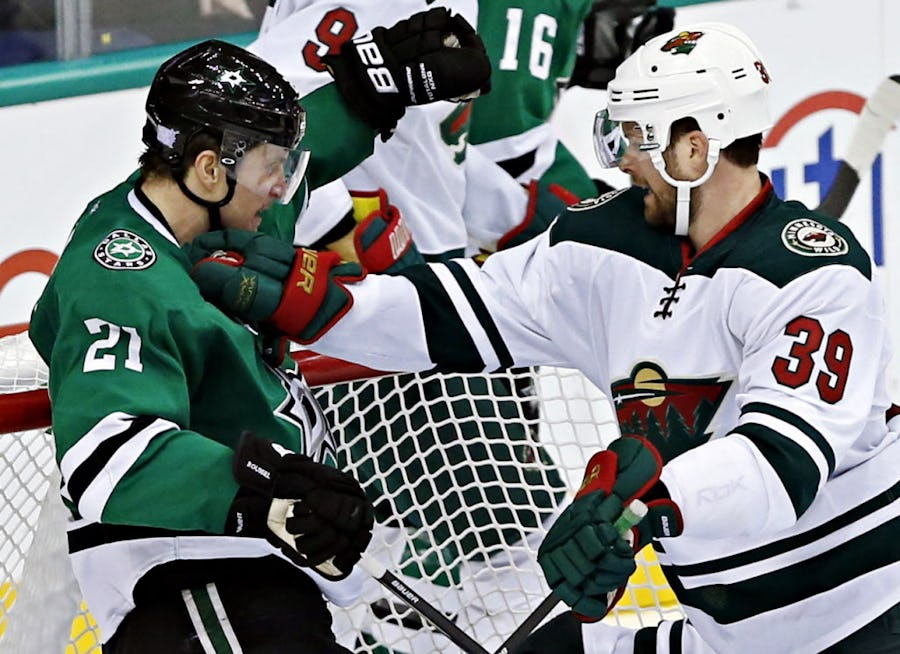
{"points": [[124, 250], [682, 43], [811, 239], [673, 414]]}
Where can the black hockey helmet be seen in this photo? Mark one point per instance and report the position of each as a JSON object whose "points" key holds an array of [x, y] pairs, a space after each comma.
{"points": [[224, 89]]}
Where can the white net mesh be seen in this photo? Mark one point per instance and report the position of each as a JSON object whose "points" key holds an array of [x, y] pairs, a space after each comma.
{"points": [[466, 473]]}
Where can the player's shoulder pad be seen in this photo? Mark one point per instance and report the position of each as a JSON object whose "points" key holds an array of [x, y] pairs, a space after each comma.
{"points": [[796, 240], [111, 239], [587, 220], [615, 221]]}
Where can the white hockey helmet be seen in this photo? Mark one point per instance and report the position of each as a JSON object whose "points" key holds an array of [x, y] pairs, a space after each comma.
{"points": [[711, 72]]}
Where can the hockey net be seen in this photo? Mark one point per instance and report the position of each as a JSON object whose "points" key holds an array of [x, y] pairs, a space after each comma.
{"points": [[466, 473]]}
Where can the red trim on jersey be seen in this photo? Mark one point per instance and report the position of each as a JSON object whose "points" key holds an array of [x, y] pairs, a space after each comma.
{"points": [[892, 412], [732, 225]]}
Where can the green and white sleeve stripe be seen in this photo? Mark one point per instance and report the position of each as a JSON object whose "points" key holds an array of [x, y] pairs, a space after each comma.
{"points": [[801, 457]]}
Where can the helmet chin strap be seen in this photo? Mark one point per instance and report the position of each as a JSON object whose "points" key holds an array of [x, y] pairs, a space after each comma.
{"points": [[215, 217], [683, 187]]}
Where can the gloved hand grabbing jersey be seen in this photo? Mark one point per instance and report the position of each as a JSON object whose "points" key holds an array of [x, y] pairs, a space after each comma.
{"points": [[584, 558], [430, 56], [264, 280], [316, 515]]}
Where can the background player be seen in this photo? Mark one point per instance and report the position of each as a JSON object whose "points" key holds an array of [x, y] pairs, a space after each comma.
{"points": [[742, 338], [453, 201], [537, 49]]}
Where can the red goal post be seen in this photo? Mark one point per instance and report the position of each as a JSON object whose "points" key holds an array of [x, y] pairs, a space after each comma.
{"points": [[466, 472]]}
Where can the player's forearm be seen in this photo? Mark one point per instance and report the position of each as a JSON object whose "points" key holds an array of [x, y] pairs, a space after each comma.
{"points": [[338, 139], [145, 471], [726, 488], [382, 330], [495, 202]]}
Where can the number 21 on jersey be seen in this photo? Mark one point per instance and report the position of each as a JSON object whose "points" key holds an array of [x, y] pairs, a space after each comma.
{"points": [[99, 355]]}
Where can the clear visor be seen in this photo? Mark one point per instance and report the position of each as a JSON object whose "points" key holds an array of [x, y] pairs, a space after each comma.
{"points": [[613, 138], [266, 169]]}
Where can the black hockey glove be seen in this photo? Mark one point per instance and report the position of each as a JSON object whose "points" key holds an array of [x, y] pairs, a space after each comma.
{"points": [[612, 32], [316, 515], [429, 56]]}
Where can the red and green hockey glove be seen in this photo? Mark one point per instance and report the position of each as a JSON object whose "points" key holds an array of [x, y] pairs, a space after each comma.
{"points": [[382, 240], [430, 56], [265, 281], [545, 203], [318, 516], [584, 557]]}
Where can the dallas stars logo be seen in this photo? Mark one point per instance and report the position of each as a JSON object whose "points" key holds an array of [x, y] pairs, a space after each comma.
{"points": [[233, 78], [124, 250], [811, 238]]}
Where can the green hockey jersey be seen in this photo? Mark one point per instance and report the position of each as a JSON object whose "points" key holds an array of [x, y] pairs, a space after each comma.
{"points": [[151, 387], [532, 48]]}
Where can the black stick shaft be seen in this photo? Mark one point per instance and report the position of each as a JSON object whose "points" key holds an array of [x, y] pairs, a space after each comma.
{"points": [[418, 603]]}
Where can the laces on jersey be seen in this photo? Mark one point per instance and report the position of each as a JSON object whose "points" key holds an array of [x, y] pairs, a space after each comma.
{"points": [[670, 299]]}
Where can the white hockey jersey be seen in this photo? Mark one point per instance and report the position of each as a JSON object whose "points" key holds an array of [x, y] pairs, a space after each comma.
{"points": [[426, 167], [756, 366]]}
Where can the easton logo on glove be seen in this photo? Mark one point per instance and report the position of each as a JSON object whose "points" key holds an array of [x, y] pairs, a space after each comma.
{"points": [[432, 55], [371, 57]]}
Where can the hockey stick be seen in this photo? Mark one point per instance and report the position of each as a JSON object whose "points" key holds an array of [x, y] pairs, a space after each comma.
{"points": [[632, 515], [878, 114], [415, 601], [28, 410]]}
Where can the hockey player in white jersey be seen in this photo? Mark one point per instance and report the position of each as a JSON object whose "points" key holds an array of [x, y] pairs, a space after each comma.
{"points": [[454, 202], [744, 341]]}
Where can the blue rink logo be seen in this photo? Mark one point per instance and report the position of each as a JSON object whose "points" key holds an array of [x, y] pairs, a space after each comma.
{"points": [[804, 150]]}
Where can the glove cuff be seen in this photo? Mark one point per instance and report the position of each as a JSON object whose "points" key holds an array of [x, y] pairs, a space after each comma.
{"points": [[545, 203], [247, 515]]}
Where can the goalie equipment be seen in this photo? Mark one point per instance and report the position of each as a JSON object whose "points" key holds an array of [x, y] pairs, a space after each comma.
{"points": [[429, 56], [316, 515]]}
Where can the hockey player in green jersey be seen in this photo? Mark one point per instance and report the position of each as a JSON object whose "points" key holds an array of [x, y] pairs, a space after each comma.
{"points": [[537, 48], [207, 511], [743, 340]]}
